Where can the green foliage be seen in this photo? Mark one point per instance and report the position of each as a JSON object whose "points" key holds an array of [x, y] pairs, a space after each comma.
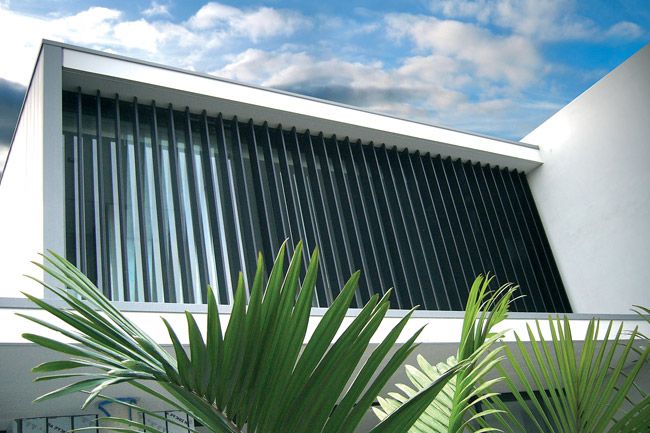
{"points": [[457, 407], [644, 313], [579, 388], [436, 417], [255, 375]]}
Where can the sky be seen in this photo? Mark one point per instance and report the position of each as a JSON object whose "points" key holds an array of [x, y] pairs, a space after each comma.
{"points": [[496, 67]]}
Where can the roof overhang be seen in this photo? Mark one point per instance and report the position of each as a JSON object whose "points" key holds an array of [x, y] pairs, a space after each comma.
{"points": [[93, 70]]}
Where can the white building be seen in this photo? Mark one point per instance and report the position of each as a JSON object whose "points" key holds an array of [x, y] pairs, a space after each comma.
{"points": [[157, 181]]}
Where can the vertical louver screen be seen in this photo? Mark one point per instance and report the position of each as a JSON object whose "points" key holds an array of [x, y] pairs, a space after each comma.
{"points": [[161, 202]]}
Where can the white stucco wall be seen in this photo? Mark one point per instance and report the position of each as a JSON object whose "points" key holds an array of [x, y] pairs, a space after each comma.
{"points": [[593, 190], [31, 191], [21, 225]]}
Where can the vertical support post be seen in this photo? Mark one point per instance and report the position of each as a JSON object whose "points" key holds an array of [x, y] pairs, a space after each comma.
{"points": [[81, 189], [141, 201], [169, 292], [197, 221], [122, 180], [102, 240], [181, 222]]}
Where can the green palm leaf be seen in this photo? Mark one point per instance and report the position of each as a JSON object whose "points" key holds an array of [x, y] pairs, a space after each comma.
{"points": [[644, 313], [255, 375], [457, 405], [567, 388]]}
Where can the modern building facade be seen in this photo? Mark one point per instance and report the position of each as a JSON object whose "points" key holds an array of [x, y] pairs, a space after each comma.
{"points": [[157, 182]]}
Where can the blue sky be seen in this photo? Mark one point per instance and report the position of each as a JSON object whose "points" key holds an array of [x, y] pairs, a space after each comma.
{"points": [[498, 67]]}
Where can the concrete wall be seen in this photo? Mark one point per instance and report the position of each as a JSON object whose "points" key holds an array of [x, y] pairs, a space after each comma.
{"points": [[21, 219], [593, 191], [31, 191]]}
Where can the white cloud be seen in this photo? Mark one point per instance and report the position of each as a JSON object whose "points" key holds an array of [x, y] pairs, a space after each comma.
{"points": [[267, 22], [156, 9], [255, 24], [211, 14], [290, 70], [189, 44], [512, 58], [138, 34], [540, 20], [468, 67], [96, 27], [431, 88], [625, 30], [435, 69]]}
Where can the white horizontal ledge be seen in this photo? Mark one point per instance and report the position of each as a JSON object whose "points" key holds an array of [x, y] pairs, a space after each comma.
{"points": [[437, 329]]}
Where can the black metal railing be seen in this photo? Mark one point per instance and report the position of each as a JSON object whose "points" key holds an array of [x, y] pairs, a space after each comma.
{"points": [[162, 202], [165, 422], [55, 424]]}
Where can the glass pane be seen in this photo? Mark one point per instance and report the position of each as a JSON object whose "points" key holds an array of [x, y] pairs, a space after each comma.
{"points": [[161, 218], [169, 204]]}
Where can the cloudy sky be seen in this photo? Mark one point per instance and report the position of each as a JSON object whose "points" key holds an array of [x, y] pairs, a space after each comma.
{"points": [[498, 67]]}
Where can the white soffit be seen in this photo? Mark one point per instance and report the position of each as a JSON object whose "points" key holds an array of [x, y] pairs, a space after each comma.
{"points": [[130, 78]]}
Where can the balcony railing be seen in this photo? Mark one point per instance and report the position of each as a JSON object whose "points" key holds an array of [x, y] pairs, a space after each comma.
{"points": [[162, 202], [165, 422], [54, 424]]}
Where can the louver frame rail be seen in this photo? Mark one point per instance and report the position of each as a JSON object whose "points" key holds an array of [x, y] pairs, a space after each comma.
{"points": [[162, 201]]}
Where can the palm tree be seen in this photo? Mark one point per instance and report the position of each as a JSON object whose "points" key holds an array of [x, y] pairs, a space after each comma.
{"points": [[644, 314], [256, 376], [568, 390], [458, 406]]}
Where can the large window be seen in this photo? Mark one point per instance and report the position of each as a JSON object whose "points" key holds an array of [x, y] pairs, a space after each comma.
{"points": [[162, 202]]}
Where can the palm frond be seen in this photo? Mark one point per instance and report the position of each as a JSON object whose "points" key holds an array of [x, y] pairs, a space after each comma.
{"points": [[566, 389], [254, 375], [457, 406], [644, 313]]}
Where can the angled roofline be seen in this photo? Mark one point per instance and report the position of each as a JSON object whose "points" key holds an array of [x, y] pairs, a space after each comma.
{"points": [[272, 90], [524, 147], [576, 100]]}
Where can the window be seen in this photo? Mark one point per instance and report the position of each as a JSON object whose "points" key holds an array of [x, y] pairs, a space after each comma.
{"points": [[161, 202]]}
